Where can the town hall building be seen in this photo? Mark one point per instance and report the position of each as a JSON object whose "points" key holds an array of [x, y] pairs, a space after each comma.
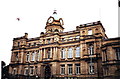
{"points": [[85, 52]]}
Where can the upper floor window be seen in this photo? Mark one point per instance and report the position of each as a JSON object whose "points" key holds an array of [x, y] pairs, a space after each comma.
{"points": [[48, 40], [89, 32], [70, 38], [29, 44], [62, 71], [117, 50], [77, 37], [33, 56], [77, 68], [90, 49], [91, 68], [16, 56], [70, 69], [63, 53], [27, 57], [48, 53], [77, 52], [70, 53]]}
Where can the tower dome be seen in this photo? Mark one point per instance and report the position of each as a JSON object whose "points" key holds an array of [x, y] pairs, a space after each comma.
{"points": [[54, 23]]}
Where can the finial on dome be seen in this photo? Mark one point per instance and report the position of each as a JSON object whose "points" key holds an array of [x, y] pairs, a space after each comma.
{"points": [[55, 12]]}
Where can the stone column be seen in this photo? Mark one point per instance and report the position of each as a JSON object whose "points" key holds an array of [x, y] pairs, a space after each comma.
{"points": [[44, 54], [66, 53], [51, 52], [74, 52], [73, 69], [66, 69], [56, 53], [40, 55], [22, 57]]}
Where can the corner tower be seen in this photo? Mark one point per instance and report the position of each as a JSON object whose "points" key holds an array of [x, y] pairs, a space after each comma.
{"points": [[54, 24]]}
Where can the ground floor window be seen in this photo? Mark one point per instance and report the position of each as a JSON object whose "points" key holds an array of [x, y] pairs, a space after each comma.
{"points": [[31, 70], [62, 69], [70, 69], [77, 68], [91, 68], [26, 71]]}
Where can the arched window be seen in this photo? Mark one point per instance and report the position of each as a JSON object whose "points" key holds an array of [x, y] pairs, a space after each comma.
{"points": [[63, 53], [77, 52], [70, 53], [33, 56]]}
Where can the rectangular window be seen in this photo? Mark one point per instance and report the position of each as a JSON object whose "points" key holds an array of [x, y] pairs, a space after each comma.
{"points": [[90, 49], [26, 71], [62, 71], [31, 70], [91, 68], [77, 69], [70, 69], [117, 53]]}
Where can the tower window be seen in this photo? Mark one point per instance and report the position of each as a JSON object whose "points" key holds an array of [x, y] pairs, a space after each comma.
{"points": [[62, 71], [89, 32], [70, 53], [77, 51], [48, 41]]}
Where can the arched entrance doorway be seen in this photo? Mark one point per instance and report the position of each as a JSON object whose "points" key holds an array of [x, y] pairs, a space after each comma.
{"points": [[47, 72]]}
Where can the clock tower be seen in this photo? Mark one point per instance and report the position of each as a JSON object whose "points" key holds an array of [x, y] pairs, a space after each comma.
{"points": [[54, 24]]}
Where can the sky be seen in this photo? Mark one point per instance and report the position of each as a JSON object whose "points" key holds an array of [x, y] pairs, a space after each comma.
{"points": [[33, 16]]}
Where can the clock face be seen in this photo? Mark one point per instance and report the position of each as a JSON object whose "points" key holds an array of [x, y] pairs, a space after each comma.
{"points": [[50, 20], [61, 22]]}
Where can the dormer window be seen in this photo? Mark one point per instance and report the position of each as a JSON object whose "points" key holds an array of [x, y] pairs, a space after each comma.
{"points": [[89, 32]]}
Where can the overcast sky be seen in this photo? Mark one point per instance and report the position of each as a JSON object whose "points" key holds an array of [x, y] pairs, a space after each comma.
{"points": [[33, 15]]}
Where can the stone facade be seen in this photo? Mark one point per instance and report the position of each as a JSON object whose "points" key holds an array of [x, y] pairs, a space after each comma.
{"points": [[77, 53]]}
